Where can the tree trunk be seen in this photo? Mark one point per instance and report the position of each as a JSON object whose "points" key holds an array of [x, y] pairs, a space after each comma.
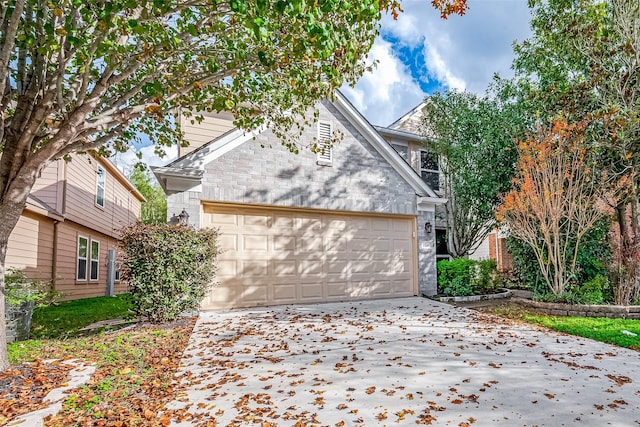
{"points": [[10, 214], [12, 202]]}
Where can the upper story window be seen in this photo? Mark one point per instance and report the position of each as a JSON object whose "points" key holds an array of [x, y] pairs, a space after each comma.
{"points": [[101, 181], [325, 152], [429, 170], [403, 150]]}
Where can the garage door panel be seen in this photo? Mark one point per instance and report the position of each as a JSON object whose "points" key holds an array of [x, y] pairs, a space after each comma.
{"points": [[311, 291], [284, 268], [284, 243], [272, 256], [285, 292]]}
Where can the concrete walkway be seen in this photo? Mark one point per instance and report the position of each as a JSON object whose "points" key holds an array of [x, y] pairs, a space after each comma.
{"points": [[398, 362]]}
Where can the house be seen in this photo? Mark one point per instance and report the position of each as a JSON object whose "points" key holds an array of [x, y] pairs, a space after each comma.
{"points": [[351, 222], [70, 222]]}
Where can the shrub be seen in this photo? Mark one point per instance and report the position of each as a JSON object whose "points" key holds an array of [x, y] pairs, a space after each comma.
{"points": [[19, 289], [169, 268], [462, 277], [594, 253]]}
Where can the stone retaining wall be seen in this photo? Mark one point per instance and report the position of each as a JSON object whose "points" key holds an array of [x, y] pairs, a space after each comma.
{"points": [[610, 311]]}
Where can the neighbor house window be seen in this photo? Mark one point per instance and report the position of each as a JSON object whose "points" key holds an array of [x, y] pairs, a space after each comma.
{"points": [[100, 185], [83, 250], [429, 169], [325, 152], [95, 259]]}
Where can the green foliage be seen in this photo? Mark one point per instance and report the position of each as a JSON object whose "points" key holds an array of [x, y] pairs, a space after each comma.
{"points": [[154, 210], [462, 277], [67, 317], [474, 138], [594, 254], [19, 289], [599, 329], [169, 268]]}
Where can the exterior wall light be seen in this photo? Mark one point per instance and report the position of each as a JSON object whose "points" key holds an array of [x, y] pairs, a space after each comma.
{"points": [[427, 227]]}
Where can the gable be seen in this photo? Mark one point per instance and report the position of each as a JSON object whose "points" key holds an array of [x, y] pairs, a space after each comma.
{"points": [[358, 177]]}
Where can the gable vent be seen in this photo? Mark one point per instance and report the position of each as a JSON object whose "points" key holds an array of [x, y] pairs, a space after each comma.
{"points": [[325, 152]]}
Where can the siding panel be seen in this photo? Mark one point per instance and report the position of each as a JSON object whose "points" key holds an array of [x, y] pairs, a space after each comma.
{"points": [[31, 246]]}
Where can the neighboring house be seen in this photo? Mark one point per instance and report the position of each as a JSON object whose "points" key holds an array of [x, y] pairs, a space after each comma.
{"points": [[351, 222], [72, 218]]}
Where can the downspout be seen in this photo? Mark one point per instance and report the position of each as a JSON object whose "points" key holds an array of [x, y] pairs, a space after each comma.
{"points": [[54, 266]]}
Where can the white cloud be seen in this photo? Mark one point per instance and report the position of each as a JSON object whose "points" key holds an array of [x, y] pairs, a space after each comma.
{"points": [[127, 160], [389, 91], [460, 52]]}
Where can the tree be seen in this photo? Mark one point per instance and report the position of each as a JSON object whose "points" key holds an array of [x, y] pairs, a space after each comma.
{"points": [[154, 209], [555, 199], [77, 76], [474, 139], [584, 60]]}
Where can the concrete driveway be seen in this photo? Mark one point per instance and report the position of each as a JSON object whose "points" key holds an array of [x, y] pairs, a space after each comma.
{"points": [[398, 362]]}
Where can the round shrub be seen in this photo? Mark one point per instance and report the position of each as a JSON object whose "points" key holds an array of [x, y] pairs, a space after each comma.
{"points": [[169, 268]]}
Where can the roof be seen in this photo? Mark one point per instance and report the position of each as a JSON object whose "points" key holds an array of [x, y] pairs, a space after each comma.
{"points": [[37, 205], [398, 123], [187, 166]]}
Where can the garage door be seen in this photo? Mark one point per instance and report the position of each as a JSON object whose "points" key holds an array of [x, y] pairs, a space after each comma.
{"points": [[281, 256]]}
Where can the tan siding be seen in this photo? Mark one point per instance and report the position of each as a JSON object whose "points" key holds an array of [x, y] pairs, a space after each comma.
{"points": [[121, 206], [209, 129], [31, 246], [48, 187], [66, 274]]}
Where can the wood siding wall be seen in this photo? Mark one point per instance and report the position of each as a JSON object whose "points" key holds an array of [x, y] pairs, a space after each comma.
{"points": [[209, 129], [31, 246], [121, 207], [66, 282]]}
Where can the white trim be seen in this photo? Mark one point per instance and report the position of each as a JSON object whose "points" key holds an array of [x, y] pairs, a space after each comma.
{"points": [[381, 145], [198, 158], [428, 204], [86, 259]]}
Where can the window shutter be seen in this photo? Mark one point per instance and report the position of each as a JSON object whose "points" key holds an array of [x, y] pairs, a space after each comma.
{"points": [[325, 154]]}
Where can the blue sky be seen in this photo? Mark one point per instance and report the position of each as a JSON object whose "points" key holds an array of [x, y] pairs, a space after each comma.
{"points": [[419, 54]]}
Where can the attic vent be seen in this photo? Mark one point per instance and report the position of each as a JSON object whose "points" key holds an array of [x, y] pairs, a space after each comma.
{"points": [[325, 152]]}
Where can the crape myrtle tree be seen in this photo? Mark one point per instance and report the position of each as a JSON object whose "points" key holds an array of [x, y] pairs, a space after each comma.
{"points": [[473, 136], [83, 75], [583, 60]]}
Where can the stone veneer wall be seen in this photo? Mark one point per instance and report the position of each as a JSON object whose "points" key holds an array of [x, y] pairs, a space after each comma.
{"points": [[609, 311]]}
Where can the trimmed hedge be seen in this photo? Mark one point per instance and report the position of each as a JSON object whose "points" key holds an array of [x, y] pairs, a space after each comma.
{"points": [[169, 268], [464, 277]]}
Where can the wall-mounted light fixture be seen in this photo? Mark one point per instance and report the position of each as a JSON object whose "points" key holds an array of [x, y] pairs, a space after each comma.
{"points": [[427, 227]]}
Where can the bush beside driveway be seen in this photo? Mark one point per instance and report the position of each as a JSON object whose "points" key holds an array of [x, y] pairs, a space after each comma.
{"points": [[408, 361]]}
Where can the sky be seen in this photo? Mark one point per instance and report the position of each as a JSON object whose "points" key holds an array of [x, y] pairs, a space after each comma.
{"points": [[420, 54]]}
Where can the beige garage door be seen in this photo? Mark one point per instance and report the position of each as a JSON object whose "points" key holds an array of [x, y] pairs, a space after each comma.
{"points": [[281, 256]]}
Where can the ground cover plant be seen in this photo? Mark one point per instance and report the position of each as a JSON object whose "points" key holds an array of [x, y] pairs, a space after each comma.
{"points": [[596, 328], [68, 317], [135, 369]]}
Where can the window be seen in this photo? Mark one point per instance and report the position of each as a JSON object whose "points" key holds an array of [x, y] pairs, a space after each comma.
{"points": [[429, 170], [325, 152], [403, 150], [83, 248], [95, 259], [100, 185]]}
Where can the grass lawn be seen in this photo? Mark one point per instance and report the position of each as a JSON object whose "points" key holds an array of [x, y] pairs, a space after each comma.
{"points": [[596, 328], [68, 317]]}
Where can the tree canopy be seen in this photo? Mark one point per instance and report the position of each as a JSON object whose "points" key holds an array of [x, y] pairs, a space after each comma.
{"points": [[474, 138], [82, 75]]}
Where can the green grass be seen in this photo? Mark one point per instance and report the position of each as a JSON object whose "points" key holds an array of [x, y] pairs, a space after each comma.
{"points": [[66, 318], [599, 329]]}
